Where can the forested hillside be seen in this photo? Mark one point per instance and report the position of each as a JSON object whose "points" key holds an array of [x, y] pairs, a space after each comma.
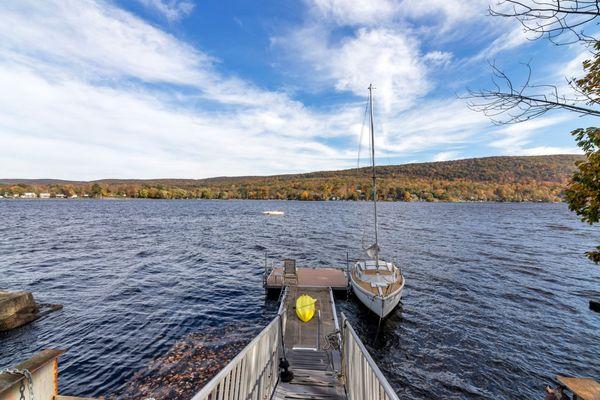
{"points": [[538, 178]]}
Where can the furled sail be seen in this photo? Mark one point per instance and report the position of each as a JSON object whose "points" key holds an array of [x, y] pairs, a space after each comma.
{"points": [[373, 251]]}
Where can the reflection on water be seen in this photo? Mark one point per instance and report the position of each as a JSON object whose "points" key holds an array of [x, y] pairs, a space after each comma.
{"points": [[495, 303]]}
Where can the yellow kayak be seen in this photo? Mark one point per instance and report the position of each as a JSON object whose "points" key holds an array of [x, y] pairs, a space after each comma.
{"points": [[305, 307]]}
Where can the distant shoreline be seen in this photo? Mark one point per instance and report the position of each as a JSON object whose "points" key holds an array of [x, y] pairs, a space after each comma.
{"points": [[281, 200], [490, 179]]}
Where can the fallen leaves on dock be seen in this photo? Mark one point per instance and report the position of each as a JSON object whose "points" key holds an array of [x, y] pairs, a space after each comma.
{"points": [[188, 365]]}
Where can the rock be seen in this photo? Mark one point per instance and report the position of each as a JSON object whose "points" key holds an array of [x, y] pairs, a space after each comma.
{"points": [[595, 305], [20, 308]]}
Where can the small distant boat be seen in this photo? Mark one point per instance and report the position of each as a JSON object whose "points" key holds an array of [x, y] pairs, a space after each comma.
{"points": [[378, 284], [273, 212]]}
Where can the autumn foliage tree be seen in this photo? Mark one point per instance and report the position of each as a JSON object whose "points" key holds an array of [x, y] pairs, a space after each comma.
{"points": [[583, 194]]}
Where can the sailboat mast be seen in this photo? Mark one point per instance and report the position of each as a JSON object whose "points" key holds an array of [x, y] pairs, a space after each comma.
{"points": [[373, 172]]}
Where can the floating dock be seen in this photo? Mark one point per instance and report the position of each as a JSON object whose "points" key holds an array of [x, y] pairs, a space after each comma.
{"points": [[335, 278]]}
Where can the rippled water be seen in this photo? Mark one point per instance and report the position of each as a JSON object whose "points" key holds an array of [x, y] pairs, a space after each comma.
{"points": [[495, 303]]}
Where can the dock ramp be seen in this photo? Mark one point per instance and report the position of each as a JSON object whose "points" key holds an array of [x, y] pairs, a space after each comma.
{"points": [[328, 361]]}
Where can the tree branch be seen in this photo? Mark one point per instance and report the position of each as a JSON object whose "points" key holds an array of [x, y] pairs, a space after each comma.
{"points": [[561, 21], [506, 103]]}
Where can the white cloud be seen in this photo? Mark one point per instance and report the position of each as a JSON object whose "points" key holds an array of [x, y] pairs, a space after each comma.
{"points": [[97, 41], [445, 156], [387, 58], [382, 12], [104, 45], [510, 40], [172, 10], [518, 134], [140, 134], [546, 150], [384, 57], [574, 67], [449, 11], [516, 139], [354, 12], [429, 125], [438, 58], [442, 116]]}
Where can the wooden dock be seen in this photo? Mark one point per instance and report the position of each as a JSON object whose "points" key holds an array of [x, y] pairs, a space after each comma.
{"points": [[328, 360], [335, 278], [582, 388], [315, 364]]}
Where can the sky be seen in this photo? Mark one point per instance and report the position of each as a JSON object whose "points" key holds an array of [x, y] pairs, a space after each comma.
{"points": [[199, 88]]}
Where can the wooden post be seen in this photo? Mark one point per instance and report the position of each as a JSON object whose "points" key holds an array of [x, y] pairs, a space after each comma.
{"points": [[55, 366]]}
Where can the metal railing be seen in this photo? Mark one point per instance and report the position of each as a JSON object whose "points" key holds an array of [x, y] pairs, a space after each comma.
{"points": [[252, 374], [364, 379]]}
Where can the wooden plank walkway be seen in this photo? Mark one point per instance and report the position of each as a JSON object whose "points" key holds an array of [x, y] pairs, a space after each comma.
{"points": [[335, 278], [584, 388], [314, 364]]}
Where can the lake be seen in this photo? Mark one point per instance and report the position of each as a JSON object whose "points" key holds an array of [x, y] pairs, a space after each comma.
{"points": [[495, 304]]}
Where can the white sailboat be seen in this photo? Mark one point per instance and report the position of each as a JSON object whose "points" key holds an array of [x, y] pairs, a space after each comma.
{"points": [[378, 284]]}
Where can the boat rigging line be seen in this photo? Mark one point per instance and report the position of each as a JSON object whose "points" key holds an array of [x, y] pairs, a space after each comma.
{"points": [[375, 247]]}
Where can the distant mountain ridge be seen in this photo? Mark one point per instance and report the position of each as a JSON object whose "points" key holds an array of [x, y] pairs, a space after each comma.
{"points": [[552, 168], [502, 178]]}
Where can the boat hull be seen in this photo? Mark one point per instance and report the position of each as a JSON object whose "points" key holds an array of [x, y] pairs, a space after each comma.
{"points": [[378, 305]]}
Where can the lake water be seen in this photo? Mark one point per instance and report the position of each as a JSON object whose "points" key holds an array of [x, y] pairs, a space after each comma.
{"points": [[495, 304]]}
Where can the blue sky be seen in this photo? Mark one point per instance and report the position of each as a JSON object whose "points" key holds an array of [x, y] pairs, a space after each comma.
{"points": [[192, 89]]}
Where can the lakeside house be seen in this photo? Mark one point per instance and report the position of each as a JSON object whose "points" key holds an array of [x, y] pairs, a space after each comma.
{"points": [[74, 196], [28, 195], [60, 196], [44, 195]]}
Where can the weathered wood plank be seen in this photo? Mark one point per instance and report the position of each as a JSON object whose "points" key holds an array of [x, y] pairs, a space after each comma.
{"points": [[311, 360], [584, 388], [311, 334], [336, 278], [310, 384]]}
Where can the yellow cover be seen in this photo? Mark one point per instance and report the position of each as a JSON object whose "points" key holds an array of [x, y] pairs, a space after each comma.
{"points": [[305, 307]]}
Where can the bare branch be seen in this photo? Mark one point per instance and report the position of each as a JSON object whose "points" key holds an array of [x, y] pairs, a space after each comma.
{"points": [[561, 21], [507, 103]]}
